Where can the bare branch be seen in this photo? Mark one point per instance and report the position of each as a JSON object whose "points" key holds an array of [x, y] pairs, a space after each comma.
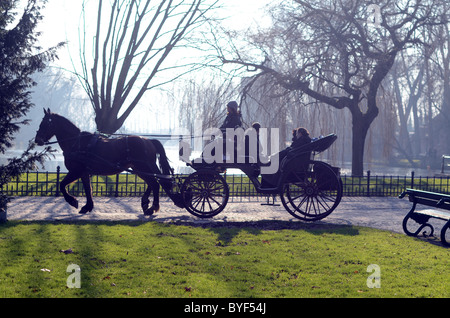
{"points": [[132, 40]]}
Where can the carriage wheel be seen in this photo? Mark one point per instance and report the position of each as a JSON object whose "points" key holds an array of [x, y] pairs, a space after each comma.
{"points": [[205, 193], [311, 195]]}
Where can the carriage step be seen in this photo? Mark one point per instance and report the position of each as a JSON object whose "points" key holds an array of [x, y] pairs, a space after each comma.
{"points": [[271, 203]]}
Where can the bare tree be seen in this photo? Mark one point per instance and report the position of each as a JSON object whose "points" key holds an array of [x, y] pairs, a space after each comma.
{"points": [[131, 47], [329, 51], [205, 100], [408, 82], [439, 81]]}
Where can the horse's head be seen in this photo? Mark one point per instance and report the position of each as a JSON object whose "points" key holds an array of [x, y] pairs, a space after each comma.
{"points": [[46, 130]]}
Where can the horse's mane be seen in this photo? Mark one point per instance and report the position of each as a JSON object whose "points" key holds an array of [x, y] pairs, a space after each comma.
{"points": [[66, 123]]}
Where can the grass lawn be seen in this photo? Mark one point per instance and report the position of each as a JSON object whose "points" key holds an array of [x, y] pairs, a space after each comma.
{"points": [[263, 259]]}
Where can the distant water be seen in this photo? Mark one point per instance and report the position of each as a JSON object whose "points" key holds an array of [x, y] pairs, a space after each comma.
{"points": [[390, 171], [180, 167]]}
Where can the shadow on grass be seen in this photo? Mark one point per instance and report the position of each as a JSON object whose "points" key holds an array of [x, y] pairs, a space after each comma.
{"points": [[225, 231]]}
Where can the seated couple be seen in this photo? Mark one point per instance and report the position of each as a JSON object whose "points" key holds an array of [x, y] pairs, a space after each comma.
{"points": [[300, 136]]}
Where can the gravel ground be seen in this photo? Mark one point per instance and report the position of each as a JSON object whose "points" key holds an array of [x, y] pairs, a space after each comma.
{"points": [[375, 212]]}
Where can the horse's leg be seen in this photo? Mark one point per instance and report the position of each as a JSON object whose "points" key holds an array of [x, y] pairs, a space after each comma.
{"points": [[152, 186], [68, 179], [88, 190], [144, 200]]}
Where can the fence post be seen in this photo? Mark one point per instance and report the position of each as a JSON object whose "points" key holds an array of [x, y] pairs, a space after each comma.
{"points": [[368, 183], [17, 186], [58, 169], [412, 179], [117, 186], [37, 184], [26, 191]]}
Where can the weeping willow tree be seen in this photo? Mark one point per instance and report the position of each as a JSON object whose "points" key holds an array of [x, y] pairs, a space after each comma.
{"points": [[338, 52]]}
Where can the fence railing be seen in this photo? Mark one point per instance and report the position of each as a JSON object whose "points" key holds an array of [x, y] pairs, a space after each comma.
{"points": [[369, 185], [125, 184]]}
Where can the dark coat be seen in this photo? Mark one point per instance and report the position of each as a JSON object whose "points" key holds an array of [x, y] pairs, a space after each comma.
{"points": [[303, 140], [232, 120], [270, 180]]}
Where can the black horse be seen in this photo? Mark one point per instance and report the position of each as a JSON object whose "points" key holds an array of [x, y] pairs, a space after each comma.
{"points": [[87, 154]]}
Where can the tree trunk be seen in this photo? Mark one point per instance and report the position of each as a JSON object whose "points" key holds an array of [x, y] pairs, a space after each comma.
{"points": [[361, 121], [360, 127], [107, 121]]}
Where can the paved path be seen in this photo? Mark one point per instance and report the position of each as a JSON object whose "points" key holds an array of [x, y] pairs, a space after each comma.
{"points": [[375, 212]]}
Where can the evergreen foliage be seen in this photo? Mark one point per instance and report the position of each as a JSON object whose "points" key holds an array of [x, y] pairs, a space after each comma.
{"points": [[20, 58]]}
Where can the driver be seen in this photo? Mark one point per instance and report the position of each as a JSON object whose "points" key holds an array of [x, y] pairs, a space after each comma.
{"points": [[233, 119]]}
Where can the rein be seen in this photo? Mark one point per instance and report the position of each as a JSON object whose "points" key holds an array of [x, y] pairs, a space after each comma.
{"points": [[55, 142], [155, 136], [50, 143]]}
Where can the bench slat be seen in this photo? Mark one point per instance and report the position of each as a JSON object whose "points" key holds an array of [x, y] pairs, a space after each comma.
{"points": [[435, 213]]}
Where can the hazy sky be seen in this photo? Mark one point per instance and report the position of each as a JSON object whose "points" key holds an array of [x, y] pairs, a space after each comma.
{"points": [[62, 17], [61, 22]]}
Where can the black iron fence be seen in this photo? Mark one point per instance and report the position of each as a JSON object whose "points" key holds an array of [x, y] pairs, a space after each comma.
{"points": [[125, 184], [369, 185]]}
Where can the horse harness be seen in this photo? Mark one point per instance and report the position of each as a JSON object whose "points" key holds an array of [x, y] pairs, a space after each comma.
{"points": [[86, 154], [83, 151]]}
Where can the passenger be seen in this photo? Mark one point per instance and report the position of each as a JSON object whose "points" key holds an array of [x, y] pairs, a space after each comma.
{"points": [[259, 150], [300, 137]]}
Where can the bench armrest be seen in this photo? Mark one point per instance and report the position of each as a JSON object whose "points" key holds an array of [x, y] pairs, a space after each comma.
{"points": [[403, 194]]}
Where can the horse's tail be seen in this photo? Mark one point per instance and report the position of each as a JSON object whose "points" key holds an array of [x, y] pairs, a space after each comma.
{"points": [[163, 160], [167, 170]]}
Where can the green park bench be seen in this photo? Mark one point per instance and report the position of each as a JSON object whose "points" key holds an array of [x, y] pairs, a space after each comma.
{"points": [[437, 201]]}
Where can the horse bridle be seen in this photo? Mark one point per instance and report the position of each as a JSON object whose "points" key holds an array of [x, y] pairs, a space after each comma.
{"points": [[50, 121]]}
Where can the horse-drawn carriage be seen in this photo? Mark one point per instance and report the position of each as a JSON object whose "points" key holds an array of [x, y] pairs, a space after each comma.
{"points": [[309, 190]]}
